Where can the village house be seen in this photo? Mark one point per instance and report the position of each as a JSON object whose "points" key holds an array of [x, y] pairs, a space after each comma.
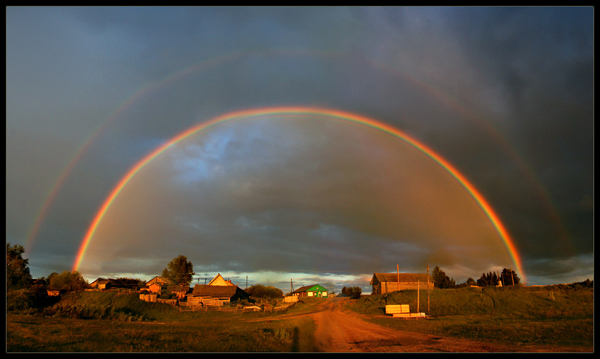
{"points": [[217, 293], [156, 284], [159, 280], [103, 284], [218, 280], [392, 282], [314, 290]]}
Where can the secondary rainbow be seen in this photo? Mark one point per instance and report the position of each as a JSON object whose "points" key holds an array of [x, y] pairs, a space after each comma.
{"points": [[324, 112]]}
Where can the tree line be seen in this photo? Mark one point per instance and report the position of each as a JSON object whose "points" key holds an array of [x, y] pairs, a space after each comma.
{"points": [[28, 291], [507, 277], [352, 292]]}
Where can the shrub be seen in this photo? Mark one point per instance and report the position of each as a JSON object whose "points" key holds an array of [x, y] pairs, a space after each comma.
{"points": [[18, 300]]}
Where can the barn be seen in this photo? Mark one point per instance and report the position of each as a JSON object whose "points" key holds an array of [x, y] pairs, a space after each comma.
{"points": [[391, 282], [314, 290]]}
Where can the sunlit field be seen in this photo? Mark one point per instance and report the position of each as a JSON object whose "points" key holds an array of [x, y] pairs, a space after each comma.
{"points": [[516, 316], [551, 315]]}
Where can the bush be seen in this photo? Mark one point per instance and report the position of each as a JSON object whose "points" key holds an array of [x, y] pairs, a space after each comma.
{"points": [[352, 292], [261, 291], [18, 300]]}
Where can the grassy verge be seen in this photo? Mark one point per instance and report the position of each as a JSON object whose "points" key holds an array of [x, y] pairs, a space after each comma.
{"points": [[118, 322], [517, 315], [27, 333]]}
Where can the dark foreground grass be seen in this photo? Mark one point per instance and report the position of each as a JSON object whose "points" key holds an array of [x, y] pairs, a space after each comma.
{"points": [[120, 322], [26, 333], [512, 315]]}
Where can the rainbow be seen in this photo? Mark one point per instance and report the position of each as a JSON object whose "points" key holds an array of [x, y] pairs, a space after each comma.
{"points": [[326, 113], [231, 57]]}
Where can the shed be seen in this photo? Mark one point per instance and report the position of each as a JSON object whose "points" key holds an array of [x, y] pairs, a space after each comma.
{"points": [[314, 290], [392, 282]]}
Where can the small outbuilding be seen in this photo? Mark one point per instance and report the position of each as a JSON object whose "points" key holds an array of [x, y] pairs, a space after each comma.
{"points": [[179, 290]]}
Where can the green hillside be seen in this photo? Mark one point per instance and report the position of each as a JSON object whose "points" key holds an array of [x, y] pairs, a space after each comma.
{"points": [[110, 305], [527, 315], [525, 302]]}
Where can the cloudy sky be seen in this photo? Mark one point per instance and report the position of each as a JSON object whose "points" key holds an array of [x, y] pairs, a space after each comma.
{"points": [[505, 95]]}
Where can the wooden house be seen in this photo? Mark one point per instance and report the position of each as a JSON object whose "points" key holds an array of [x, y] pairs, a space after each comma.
{"points": [[314, 290], [218, 280], [156, 284], [392, 282], [180, 290], [103, 283], [159, 280], [154, 287], [216, 294]]}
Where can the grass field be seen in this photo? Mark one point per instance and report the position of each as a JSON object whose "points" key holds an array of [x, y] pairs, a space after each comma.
{"points": [[117, 322], [521, 315]]}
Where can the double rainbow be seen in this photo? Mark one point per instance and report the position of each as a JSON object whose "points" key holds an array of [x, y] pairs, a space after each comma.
{"points": [[325, 113]]}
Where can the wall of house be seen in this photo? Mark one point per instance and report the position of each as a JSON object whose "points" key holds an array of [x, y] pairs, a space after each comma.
{"points": [[388, 287], [290, 299]]}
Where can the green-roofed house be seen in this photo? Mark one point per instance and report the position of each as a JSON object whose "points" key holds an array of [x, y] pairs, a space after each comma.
{"points": [[315, 290]]}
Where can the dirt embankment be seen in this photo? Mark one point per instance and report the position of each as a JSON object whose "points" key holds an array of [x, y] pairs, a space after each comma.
{"points": [[340, 330]]}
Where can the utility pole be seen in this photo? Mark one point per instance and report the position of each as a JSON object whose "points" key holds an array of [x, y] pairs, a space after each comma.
{"points": [[398, 270], [246, 282], [428, 289], [418, 296], [291, 285]]}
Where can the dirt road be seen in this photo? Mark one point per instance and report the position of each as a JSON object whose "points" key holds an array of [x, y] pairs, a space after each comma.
{"points": [[340, 330]]}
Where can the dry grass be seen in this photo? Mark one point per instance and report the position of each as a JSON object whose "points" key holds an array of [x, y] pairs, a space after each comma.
{"points": [[27, 333], [517, 315]]}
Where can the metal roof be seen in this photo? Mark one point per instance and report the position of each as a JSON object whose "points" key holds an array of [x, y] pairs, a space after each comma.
{"points": [[404, 277]]}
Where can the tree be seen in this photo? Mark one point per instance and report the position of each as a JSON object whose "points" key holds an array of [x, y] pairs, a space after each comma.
{"points": [[261, 291], [17, 268], [509, 277], [441, 280], [67, 281], [179, 271], [352, 292]]}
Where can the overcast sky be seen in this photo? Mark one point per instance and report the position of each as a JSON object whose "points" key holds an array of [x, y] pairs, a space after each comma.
{"points": [[503, 94]]}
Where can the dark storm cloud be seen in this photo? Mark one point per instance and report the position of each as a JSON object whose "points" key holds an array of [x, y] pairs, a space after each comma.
{"points": [[505, 94]]}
